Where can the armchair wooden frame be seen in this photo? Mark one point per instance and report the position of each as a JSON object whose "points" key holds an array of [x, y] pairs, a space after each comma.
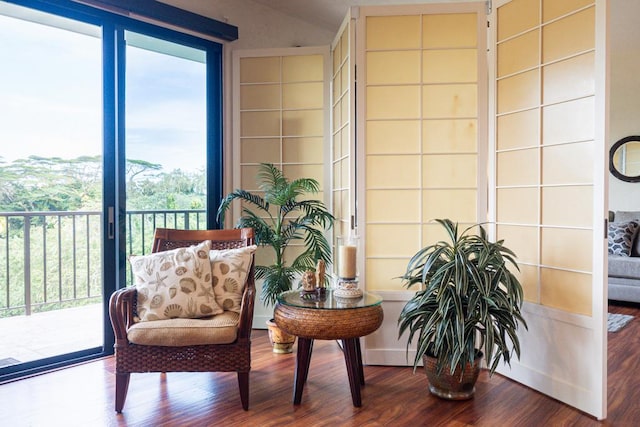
{"points": [[234, 357]]}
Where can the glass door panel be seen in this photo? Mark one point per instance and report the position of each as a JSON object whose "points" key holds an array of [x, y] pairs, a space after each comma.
{"points": [[166, 138], [50, 187]]}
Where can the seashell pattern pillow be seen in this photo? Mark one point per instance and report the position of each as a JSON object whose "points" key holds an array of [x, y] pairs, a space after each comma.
{"points": [[175, 283], [229, 268]]}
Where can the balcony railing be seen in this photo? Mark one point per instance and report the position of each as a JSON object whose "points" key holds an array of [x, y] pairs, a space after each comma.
{"points": [[52, 260]]}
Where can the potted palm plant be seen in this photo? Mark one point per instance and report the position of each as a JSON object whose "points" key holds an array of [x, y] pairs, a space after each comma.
{"points": [[469, 304], [283, 216]]}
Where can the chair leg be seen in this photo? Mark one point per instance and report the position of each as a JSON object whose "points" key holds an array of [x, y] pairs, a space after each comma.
{"points": [[122, 386], [243, 383]]}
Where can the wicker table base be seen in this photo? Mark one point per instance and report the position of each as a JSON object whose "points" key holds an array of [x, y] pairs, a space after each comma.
{"points": [[346, 324]]}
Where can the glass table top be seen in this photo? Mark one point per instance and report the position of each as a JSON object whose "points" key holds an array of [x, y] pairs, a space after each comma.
{"points": [[330, 302]]}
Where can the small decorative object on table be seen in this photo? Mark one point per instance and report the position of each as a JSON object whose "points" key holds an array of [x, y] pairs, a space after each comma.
{"points": [[313, 288], [347, 283]]}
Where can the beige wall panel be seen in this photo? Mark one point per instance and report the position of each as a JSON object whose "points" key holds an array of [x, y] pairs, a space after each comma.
{"points": [[303, 68], [337, 115], [337, 206], [260, 70], [383, 273], [393, 137], [449, 136], [517, 205], [523, 241], [392, 240], [337, 86], [569, 79], [518, 130], [336, 56], [337, 175], [433, 232], [456, 204], [260, 123], [344, 75], [302, 123], [440, 101], [393, 206], [555, 253], [566, 290], [552, 9], [516, 168], [519, 92], [292, 252], [258, 150], [248, 174], [449, 30], [519, 54], [450, 171], [529, 279], [517, 16], [393, 172], [344, 141], [567, 206], [302, 150], [346, 167], [336, 141], [259, 97], [315, 171], [396, 102], [396, 67], [449, 66], [393, 32], [344, 109], [302, 95], [568, 122], [344, 44], [265, 256], [568, 163], [568, 36]]}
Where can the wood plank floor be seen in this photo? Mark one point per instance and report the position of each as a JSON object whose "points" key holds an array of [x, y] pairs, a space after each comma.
{"points": [[393, 396]]}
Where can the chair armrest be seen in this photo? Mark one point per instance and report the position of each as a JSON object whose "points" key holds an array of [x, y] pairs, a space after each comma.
{"points": [[247, 305], [121, 308]]}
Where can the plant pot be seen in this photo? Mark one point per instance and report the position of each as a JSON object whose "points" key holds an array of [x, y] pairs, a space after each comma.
{"points": [[456, 386], [281, 341]]}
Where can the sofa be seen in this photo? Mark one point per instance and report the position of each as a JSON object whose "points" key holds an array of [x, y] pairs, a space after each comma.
{"points": [[624, 256]]}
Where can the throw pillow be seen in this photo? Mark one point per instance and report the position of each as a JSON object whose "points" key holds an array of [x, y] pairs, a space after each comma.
{"points": [[626, 216], [230, 268], [175, 283], [621, 235]]}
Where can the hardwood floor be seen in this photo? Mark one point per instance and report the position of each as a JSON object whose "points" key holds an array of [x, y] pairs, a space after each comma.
{"points": [[393, 396]]}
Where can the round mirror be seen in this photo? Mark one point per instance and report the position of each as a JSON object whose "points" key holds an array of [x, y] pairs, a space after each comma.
{"points": [[624, 159]]}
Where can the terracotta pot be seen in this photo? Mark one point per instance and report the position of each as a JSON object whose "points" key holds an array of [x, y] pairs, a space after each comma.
{"points": [[281, 341], [457, 386]]}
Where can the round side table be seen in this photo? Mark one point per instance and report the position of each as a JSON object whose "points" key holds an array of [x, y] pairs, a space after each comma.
{"points": [[333, 318]]}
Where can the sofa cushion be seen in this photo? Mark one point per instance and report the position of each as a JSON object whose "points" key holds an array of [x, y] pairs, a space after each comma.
{"points": [[621, 237], [219, 329], [623, 266], [175, 283], [626, 216], [229, 268]]}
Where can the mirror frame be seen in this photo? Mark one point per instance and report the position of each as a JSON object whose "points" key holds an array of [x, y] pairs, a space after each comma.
{"points": [[612, 167]]}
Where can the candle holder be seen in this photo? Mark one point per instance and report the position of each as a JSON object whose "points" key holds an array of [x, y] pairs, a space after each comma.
{"points": [[347, 273]]}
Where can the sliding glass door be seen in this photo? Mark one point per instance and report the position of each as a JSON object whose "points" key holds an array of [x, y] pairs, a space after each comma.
{"points": [[109, 128]]}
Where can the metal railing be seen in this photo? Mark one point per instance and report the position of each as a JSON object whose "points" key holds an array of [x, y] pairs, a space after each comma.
{"points": [[52, 260]]}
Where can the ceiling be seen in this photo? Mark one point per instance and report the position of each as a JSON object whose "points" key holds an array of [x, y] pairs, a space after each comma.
{"points": [[330, 13]]}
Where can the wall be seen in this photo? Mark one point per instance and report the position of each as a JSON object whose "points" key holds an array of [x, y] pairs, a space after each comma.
{"points": [[625, 94]]}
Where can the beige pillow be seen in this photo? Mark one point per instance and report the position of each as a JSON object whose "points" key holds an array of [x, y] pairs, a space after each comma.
{"points": [[230, 268], [175, 283]]}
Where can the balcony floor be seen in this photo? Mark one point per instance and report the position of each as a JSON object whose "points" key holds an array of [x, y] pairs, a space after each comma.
{"points": [[28, 338]]}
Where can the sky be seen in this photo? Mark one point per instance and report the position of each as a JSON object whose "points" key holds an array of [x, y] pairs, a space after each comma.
{"points": [[51, 99]]}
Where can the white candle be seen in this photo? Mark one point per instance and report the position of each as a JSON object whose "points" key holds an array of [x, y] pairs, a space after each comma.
{"points": [[347, 261]]}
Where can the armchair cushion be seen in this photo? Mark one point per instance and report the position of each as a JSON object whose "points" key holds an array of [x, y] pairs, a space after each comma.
{"points": [[175, 284], [229, 268], [219, 329]]}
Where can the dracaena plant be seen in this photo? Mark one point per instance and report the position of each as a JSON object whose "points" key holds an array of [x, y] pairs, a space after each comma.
{"points": [[281, 216], [469, 300]]}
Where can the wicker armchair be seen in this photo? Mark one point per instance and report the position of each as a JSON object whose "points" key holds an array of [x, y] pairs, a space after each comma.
{"points": [[233, 357]]}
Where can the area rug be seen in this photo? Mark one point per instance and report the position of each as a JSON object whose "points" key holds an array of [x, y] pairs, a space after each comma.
{"points": [[615, 322], [8, 362]]}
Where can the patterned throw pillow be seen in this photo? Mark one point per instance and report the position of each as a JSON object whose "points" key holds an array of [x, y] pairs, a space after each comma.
{"points": [[621, 236], [230, 268], [175, 283]]}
